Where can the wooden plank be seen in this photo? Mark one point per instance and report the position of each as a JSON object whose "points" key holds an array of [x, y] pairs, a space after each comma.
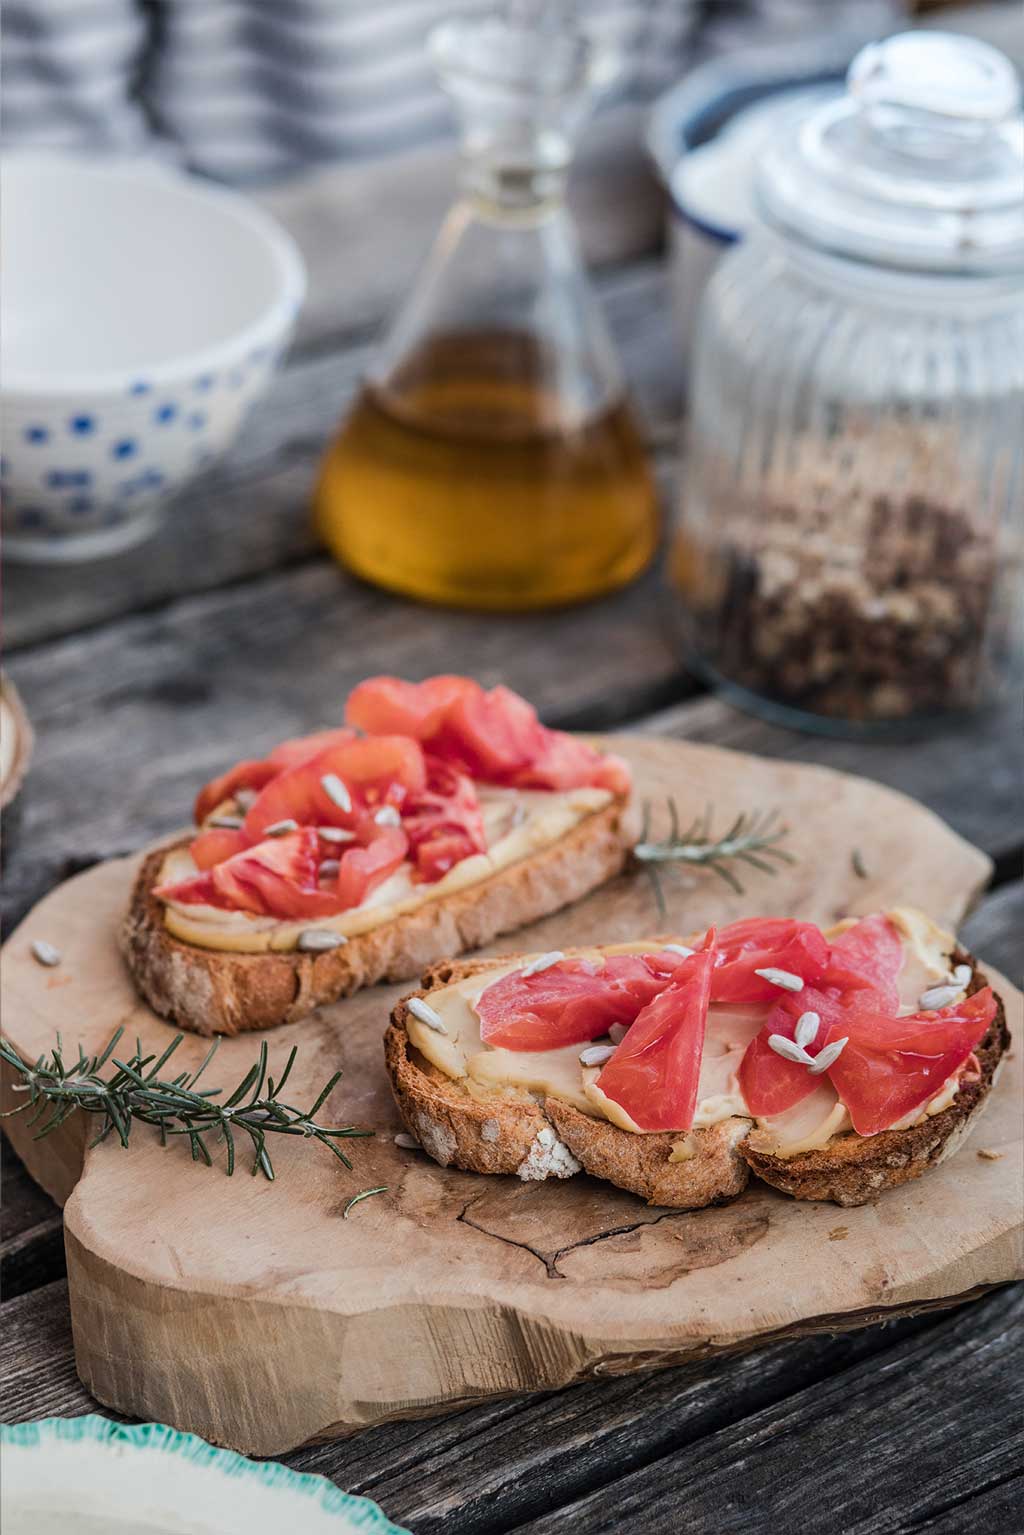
{"points": [[897, 1417], [37, 1362], [970, 776], [483, 1471], [250, 516]]}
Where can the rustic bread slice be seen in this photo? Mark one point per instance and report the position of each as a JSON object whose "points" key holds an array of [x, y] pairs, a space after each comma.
{"points": [[211, 991], [509, 1131], [853, 1169]]}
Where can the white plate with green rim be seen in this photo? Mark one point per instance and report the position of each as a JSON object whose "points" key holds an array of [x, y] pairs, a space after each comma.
{"points": [[88, 1476]]}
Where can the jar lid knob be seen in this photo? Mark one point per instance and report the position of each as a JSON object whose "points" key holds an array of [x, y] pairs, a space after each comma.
{"points": [[942, 76]]}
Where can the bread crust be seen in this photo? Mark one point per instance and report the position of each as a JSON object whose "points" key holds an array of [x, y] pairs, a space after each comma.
{"points": [[853, 1169], [211, 991], [510, 1132]]}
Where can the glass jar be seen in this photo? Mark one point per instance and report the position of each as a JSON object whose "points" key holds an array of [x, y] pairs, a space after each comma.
{"points": [[849, 545], [491, 459]]}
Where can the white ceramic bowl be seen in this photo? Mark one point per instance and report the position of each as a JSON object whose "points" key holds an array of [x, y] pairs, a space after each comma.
{"points": [[142, 314], [88, 1476]]}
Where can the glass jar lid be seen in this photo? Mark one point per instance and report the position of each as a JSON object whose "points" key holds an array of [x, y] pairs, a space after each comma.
{"points": [[920, 164]]}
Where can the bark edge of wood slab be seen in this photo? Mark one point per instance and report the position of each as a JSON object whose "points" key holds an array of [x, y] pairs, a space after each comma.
{"points": [[253, 1314]]}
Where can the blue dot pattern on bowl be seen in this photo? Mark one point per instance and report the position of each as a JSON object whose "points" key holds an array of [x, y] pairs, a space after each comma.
{"points": [[53, 492]]}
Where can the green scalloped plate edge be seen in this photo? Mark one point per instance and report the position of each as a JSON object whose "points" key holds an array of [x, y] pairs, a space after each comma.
{"points": [[363, 1514]]}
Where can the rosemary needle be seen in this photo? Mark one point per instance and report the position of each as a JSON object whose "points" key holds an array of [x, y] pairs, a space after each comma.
{"points": [[358, 1198], [136, 1090]]}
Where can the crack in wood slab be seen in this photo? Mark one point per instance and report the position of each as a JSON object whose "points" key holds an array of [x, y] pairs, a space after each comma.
{"points": [[549, 1259]]}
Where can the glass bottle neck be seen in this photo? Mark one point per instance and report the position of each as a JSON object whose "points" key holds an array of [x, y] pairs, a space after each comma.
{"points": [[507, 189]]}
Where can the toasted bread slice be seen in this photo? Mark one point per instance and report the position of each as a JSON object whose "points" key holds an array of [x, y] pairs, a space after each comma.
{"points": [[510, 1131], [213, 991], [853, 1169]]}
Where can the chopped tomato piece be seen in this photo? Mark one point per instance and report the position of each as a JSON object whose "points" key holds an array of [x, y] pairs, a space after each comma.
{"points": [[492, 735], [389, 706], [251, 774], [571, 1002], [763, 943], [893, 1066], [276, 878], [655, 1071], [215, 844], [362, 869], [443, 822], [376, 770], [301, 748]]}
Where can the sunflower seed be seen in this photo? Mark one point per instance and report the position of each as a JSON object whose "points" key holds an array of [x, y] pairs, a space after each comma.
{"points": [[281, 828], [245, 799], [988, 1155], [807, 1026], [225, 822], [678, 948], [543, 962], [596, 1055], [335, 834], [617, 1032], [938, 996], [336, 791], [782, 978], [789, 1050], [387, 815], [425, 1014], [45, 953], [407, 1142], [317, 940], [961, 976], [825, 1058], [329, 868]]}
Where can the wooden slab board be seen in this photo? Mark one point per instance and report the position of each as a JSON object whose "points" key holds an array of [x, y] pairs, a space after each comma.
{"points": [[253, 1314]]}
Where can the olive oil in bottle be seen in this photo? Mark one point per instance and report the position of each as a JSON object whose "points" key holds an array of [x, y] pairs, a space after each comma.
{"points": [[460, 480], [491, 459]]}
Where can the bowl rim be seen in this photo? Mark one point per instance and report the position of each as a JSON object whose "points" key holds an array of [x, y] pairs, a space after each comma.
{"points": [[361, 1513], [33, 387]]}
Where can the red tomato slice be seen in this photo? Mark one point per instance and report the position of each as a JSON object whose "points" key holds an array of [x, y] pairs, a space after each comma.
{"points": [[869, 954], [364, 868], [571, 1002], [655, 1071], [863, 968], [276, 878], [376, 770], [769, 1083], [892, 1066], [494, 735], [215, 844], [389, 706], [251, 774], [301, 748], [760, 943], [444, 823]]}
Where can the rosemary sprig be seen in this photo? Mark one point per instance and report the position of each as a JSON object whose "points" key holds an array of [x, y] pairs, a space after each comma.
{"points": [[136, 1090], [752, 839]]}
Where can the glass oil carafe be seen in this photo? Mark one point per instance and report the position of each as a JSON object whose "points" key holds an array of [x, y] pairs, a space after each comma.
{"points": [[491, 459]]}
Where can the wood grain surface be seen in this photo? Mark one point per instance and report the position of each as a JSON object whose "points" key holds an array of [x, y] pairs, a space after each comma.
{"points": [[450, 1287]]}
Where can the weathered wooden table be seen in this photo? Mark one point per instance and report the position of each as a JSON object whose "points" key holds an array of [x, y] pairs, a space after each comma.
{"points": [[230, 631]]}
